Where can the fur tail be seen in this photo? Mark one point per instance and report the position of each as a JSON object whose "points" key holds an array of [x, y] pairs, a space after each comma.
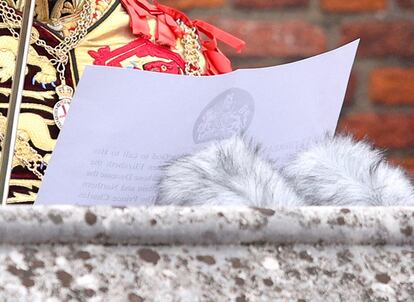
{"points": [[230, 172], [340, 171]]}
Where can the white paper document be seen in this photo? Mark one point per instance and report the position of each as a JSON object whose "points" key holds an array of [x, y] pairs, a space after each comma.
{"points": [[124, 124]]}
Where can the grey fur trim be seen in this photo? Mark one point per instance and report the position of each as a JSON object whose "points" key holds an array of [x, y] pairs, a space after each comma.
{"points": [[334, 172], [231, 172], [343, 172]]}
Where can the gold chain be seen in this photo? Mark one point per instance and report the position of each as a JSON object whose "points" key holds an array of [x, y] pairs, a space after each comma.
{"points": [[192, 49], [29, 157], [24, 153], [60, 53]]}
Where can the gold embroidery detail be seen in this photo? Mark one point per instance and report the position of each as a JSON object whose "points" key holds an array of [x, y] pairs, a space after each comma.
{"points": [[22, 198], [8, 53], [192, 49], [139, 62], [16, 4], [38, 95], [36, 128], [25, 183], [32, 107], [61, 9], [42, 10], [34, 35], [66, 13], [65, 7], [33, 128]]}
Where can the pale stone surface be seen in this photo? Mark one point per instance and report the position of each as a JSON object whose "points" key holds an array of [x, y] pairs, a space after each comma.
{"points": [[201, 254]]}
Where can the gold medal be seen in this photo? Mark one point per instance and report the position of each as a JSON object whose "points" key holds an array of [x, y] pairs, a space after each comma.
{"points": [[61, 109]]}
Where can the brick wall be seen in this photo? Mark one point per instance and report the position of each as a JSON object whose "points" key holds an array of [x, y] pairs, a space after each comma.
{"points": [[380, 100]]}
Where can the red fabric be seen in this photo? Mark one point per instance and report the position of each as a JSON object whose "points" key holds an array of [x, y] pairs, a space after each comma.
{"points": [[168, 31], [141, 47]]}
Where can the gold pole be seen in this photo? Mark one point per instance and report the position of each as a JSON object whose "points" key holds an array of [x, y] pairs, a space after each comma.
{"points": [[16, 100]]}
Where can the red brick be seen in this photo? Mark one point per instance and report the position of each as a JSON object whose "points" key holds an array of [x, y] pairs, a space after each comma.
{"points": [[350, 93], [381, 38], [278, 39], [409, 4], [353, 5], [189, 4], [270, 3], [392, 86], [407, 163], [388, 130]]}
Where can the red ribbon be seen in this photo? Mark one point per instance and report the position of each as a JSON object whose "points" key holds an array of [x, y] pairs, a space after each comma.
{"points": [[216, 33], [167, 31], [217, 62]]}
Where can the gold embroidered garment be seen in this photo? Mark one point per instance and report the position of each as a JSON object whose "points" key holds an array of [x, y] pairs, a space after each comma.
{"points": [[113, 39]]}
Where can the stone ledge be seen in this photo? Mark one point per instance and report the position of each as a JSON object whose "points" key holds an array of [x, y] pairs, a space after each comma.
{"points": [[205, 254], [203, 226]]}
